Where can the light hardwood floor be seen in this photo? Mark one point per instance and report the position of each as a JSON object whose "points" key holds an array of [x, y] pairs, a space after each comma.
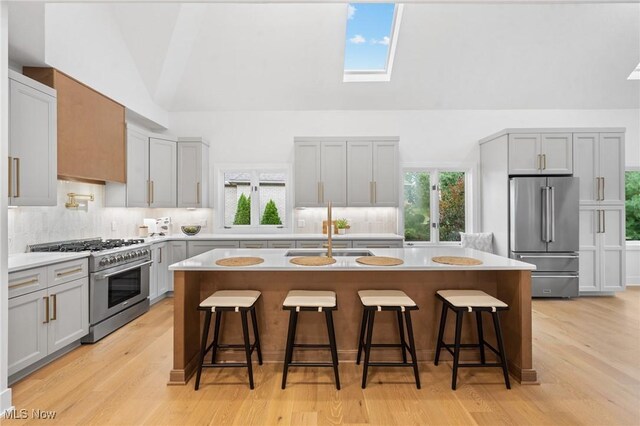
{"points": [[586, 351]]}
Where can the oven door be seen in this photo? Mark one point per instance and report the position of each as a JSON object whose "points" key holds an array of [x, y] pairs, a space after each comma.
{"points": [[115, 289]]}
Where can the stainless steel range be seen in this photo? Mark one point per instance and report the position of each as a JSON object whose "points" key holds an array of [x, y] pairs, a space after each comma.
{"points": [[118, 281]]}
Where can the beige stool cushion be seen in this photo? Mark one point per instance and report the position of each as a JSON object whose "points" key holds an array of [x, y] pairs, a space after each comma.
{"points": [[471, 298], [231, 298], [309, 298], [385, 298]]}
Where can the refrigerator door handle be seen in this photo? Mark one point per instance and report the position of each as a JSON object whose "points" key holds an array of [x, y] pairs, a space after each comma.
{"points": [[544, 214], [552, 215]]}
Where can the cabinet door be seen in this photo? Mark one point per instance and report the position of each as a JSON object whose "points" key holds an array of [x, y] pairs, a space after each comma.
{"points": [[27, 330], [360, 174], [158, 284], [524, 154], [557, 153], [385, 174], [307, 174], [195, 248], [162, 172], [333, 164], [32, 147], [68, 313], [137, 169], [153, 273], [611, 167], [177, 251], [612, 258], [254, 244], [189, 174], [589, 257], [585, 165]]}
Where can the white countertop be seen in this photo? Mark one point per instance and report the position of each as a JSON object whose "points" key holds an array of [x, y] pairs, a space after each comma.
{"points": [[227, 237], [21, 261], [415, 259]]}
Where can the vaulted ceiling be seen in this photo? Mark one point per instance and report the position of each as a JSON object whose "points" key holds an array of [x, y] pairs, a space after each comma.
{"points": [[449, 56]]}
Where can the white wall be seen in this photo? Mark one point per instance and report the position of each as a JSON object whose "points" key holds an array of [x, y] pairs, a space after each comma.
{"points": [[432, 136], [5, 393], [84, 41]]}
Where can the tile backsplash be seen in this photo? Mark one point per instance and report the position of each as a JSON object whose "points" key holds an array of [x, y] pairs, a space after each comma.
{"points": [[32, 225], [361, 219]]}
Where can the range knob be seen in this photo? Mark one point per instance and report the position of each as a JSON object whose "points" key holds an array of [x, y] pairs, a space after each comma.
{"points": [[111, 260], [139, 253], [119, 258], [127, 256], [145, 252], [103, 262]]}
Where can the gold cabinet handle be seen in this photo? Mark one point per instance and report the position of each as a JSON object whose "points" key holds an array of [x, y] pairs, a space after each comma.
{"points": [[254, 246], [69, 272], [604, 222], [10, 177], [160, 254], [539, 162], [46, 309], [198, 193], [55, 307], [318, 197], [148, 192], [153, 193], [24, 283], [322, 192], [544, 161], [375, 192], [371, 192], [17, 160], [602, 186]]}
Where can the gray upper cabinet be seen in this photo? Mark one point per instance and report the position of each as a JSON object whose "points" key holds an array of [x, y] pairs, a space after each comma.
{"points": [[372, 173], [540, 154], [137, 187], [163, 172], [307, 174], [333, 175], [193, 173], [32, 143]]}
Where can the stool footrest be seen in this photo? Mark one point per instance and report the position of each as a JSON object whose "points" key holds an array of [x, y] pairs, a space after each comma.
{"points": [[225, 365], [486, 364], [390, 364], [310, 364], [390, 345], [312, 345]]}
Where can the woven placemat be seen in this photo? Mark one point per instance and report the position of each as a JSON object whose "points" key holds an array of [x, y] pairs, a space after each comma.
{"points": [[457, 260], [239, 261], [379, 261], [313, 260]]}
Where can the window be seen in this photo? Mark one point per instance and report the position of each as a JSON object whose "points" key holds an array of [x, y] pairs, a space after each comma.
{"points": [[254, 198], [371, 37], [632, 204], [435, 205]]}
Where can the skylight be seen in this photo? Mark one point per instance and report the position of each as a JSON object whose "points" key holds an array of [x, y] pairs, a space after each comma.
{"points": [[372, 33]]}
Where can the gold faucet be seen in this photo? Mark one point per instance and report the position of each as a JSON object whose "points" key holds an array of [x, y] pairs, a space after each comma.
{"points": [[329, 231]]}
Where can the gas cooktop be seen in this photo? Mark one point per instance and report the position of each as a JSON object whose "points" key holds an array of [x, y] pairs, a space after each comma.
{"points": [[93, 245]]}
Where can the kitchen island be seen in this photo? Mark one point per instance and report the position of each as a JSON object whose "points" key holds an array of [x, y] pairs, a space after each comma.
{"points": [[196, 278]]}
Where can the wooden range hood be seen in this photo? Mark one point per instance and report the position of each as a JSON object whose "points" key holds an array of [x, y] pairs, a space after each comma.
{"points": [[91, 130]]}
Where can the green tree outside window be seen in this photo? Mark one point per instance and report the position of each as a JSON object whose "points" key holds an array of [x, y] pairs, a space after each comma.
{"points": [[243, 211], [632, 204], [270, 215]]}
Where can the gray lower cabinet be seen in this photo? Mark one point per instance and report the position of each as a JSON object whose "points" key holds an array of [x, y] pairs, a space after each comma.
{"points": [[158, 282], [254, 244], [281, 244], [377, 244], [47, 320], [340, 244], [195, 248], [177, 251]]}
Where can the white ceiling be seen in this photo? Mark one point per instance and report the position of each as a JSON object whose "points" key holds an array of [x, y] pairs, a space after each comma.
{"points": [[449, 56]]}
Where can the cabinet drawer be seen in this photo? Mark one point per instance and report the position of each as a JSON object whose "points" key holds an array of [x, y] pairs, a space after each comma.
{"points": [[195, 248], [340, 244], [253, 244], [281, 244], [377, 244], [30, 280], [67, 271]]}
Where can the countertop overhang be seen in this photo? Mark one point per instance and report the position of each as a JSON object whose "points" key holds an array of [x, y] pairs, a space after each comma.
{"points": [[415, 259]]}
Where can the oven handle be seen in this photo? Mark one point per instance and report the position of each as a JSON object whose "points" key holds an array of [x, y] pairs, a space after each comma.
{"points": [[102, 277]]}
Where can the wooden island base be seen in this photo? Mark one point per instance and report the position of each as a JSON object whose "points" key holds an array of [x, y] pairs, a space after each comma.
{"points": [[511, 286]]}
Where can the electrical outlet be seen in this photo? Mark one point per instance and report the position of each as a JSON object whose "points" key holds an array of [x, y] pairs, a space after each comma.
{"points": [[114, 225], [301, 223]]}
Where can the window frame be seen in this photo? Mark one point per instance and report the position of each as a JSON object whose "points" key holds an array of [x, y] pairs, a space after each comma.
{"points": [[434, 171], [255, 170], [624, 206]]}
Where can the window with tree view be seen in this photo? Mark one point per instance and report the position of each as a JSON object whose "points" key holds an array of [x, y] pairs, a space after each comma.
{"points": [[632, 204], [434, 205]]}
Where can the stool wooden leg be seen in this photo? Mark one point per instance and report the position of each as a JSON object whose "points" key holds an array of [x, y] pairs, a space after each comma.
{"points": [[456, 350], [291, 337], [256, 335], [412, 346], [332, 343], [480, 336], [247, 346], [503, 356], [216, 337], [203, 346], [367, 347], [440, 343], [363, 327], [402, 341]]}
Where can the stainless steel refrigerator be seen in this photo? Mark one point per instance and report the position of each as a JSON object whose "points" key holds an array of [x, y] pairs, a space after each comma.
{"points": [[544, 230]]}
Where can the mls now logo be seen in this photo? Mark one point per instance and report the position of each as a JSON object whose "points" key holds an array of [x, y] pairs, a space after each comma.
{"points": [[23, 414]]}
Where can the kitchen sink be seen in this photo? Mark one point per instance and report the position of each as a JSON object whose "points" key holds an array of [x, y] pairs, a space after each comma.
{"points": [[336, 253]]}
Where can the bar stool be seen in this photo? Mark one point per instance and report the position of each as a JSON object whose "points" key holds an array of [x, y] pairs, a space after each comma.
{"points": [[316, 301], [461, 301], [386, 300], [221, 301]]}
